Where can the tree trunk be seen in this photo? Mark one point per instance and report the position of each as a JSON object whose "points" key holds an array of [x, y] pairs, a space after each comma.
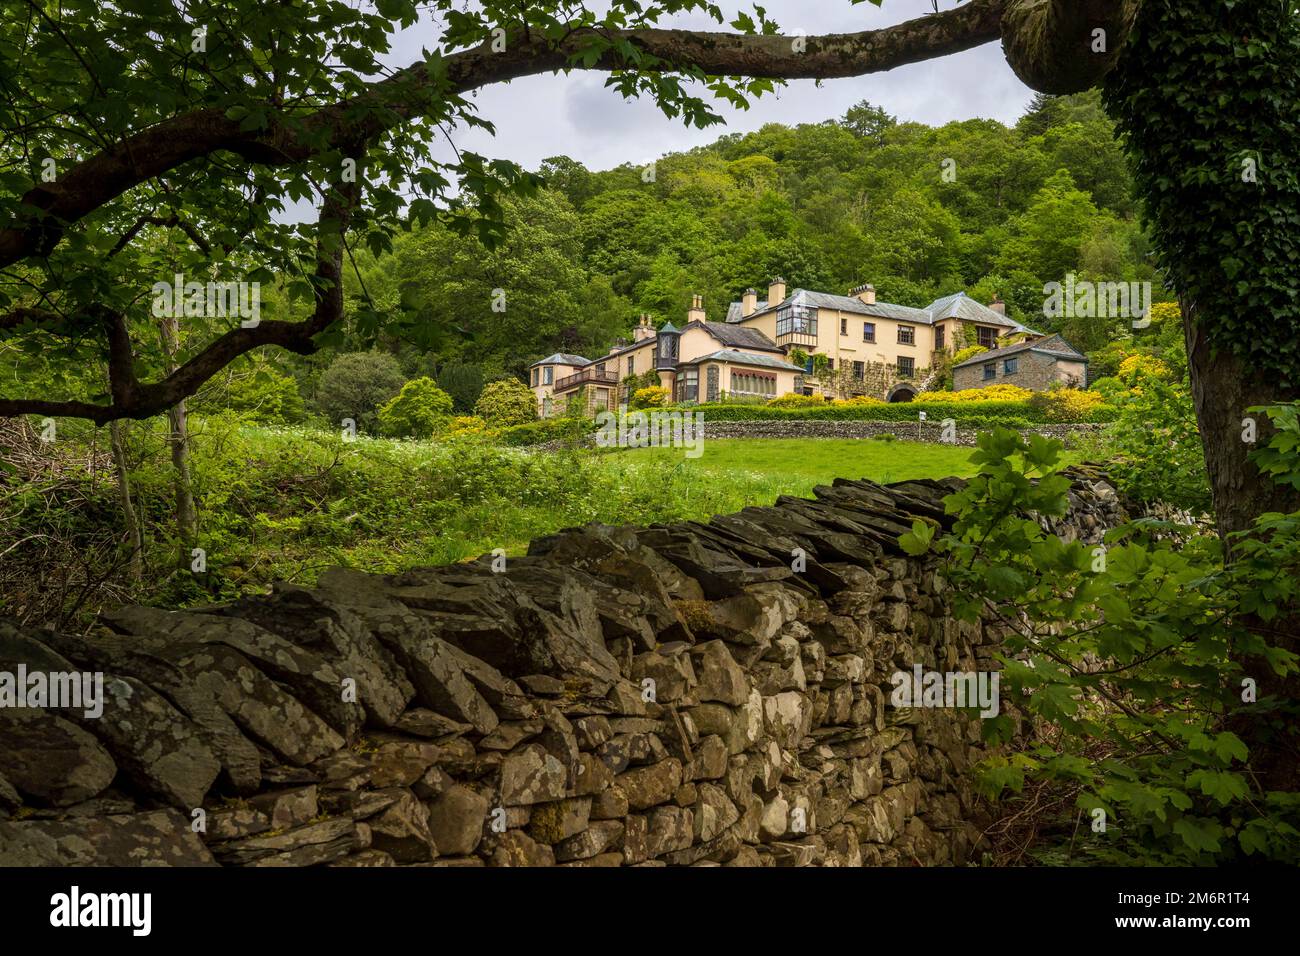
{"points": [[1223, 388], [124, 496], [187, 519]]}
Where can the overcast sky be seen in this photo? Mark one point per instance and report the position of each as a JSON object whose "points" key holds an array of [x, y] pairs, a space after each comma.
{"points": [[575, 115]]}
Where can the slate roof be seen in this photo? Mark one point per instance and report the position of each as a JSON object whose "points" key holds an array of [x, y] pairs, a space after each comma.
{"points": [[738, 336], [962, 306], [562, 358], [958, 305], [744, 358], [1053, 345]]}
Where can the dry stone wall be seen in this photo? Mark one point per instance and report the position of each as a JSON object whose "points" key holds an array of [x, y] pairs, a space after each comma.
{"points": [[929, 431], [668, 696]]}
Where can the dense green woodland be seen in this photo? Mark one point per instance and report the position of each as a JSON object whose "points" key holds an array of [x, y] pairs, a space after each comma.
{"points": [[827, 206]]}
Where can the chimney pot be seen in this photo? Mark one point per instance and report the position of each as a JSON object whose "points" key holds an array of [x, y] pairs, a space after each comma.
{"points": [[776, 291], [998, 306], [696, 312]]}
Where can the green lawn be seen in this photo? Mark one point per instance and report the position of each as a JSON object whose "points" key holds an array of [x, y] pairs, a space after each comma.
{"points": [[284, 503], [796, 465]]}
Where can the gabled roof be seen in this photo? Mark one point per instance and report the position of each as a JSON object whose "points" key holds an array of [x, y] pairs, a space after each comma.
{"points": [[562, 358], [962, 306], [958, 306], [806, 298], [737, 336], [1053, 345], [744, 358]]}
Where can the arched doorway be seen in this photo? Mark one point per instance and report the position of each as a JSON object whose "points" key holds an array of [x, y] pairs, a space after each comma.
{"points": [[902, 392]]}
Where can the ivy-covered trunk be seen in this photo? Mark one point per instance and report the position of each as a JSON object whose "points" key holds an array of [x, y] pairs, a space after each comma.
{"points": [[1223, 388], [1207, 98]]}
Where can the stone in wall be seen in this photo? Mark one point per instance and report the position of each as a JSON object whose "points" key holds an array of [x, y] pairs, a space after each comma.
{"points": [[667, 696]]}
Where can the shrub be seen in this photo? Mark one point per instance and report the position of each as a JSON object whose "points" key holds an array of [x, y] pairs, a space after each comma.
{"points": [[464, 383], [969, 352], [507, 402], [859, 400], [545, 430], [791, 400], [1067, 404], [1137, 367], [656, 396], [1155, 448], [467, 425], [1111, 389], [970, 414], [355, 385], [265, 396], [992, 393], [420, 410], [647, 379]]}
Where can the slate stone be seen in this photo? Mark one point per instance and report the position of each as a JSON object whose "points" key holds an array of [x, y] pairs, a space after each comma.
{"points": [[152, 838]]}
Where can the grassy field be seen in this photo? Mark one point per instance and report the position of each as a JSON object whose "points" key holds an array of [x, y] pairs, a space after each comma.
{"points": [[286, 503], [796, 465]]}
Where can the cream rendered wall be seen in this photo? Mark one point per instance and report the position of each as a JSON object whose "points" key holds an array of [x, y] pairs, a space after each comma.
{"points": [[548, 391], [695, 342], [850, 347], [765, 323], [1072, 373], [784, 379], [643, 353]]}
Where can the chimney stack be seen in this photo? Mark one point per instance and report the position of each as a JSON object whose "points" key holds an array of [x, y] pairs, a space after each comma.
{"points": [[867, 293], [644, 330], [776, 291], [696, 311], [749, 302], [997, 305]]}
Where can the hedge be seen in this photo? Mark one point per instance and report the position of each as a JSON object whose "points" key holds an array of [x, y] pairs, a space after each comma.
{"points": [[1014, 414], [547, 429]]}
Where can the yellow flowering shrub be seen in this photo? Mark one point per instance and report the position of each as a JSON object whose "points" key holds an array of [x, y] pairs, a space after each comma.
{"points": [[1068, 404], [654, 396], [993, 393], [1136, 366], [791, 400], [467, 425], [859, 400], [969, 352]]}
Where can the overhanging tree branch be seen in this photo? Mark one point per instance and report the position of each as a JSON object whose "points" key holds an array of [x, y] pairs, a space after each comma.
{"points": [[131, 399], [398, 99]]}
